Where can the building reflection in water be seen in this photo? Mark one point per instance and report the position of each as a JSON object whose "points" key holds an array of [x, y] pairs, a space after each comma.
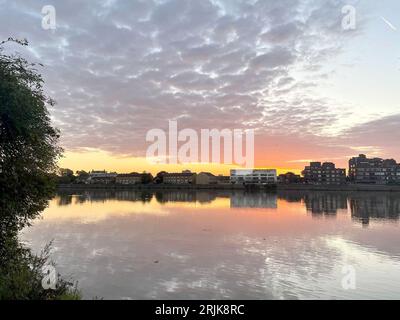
{"points": [[318, 203], [326, 204], [65, 198], [363, 206], [254, 200], [367, 207], [185, 196]]}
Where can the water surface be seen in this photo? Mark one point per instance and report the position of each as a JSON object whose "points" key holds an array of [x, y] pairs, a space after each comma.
{"points": [[224, 245]]}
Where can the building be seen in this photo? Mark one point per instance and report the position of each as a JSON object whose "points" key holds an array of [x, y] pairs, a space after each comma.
{"points": [[289, 178], [186, 177], [254, 176], [128, 179], [324, 173], [101, 177], [206, 178], [374, 170], [134, 178], [221, 179]]}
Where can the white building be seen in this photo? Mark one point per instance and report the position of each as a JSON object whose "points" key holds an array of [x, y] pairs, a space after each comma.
{"points": [[101, 177], [254, 176]]}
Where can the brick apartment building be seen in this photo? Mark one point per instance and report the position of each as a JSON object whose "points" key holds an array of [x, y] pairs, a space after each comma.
{"points": [[185, 177], [324, 173], [206, 178], [133, 178], [374, 170]]}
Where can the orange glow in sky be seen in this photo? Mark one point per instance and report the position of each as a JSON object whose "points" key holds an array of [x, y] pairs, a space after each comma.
{"points": [[101, 160]]}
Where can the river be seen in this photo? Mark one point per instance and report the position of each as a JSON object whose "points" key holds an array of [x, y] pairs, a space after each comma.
{"points": [[224, 244]]}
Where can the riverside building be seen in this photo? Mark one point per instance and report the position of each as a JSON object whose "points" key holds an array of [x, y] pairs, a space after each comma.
{"points": [[254, 176], [374, 170], [324, 173]]}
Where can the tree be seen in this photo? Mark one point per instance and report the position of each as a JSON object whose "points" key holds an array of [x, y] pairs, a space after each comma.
{"points": [[82, 176], [29, 153], [147, 178], [65, 172], [28, 143], [66, 176], [159, 178]]}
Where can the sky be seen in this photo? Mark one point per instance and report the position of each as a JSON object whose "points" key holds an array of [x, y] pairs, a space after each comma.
{"points": [[288, 69]]}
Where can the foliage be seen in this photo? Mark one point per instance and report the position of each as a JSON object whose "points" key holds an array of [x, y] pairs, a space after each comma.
{"points": [[66, 176], [28, 143], [21, 275], [159, 178], [147, 178], [29, 153], [82, 176]]}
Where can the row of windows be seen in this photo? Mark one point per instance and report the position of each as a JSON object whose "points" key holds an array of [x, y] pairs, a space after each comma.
{"points": [[252, 179], [324, 171], [362, 174], [254, 176], [128, 181], [328, 176], [395, 169]]}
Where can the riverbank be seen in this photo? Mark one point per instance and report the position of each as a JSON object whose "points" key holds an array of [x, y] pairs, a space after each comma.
{"points": [[269, 188], [344, 187], [163, 187]]}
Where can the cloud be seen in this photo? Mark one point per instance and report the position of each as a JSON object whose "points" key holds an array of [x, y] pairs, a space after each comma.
{"points": [[282, 33], [381, 134], [120, 68], [277, 57]]}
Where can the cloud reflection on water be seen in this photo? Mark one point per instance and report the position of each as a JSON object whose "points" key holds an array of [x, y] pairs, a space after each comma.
{"points": [[232, 245]]}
